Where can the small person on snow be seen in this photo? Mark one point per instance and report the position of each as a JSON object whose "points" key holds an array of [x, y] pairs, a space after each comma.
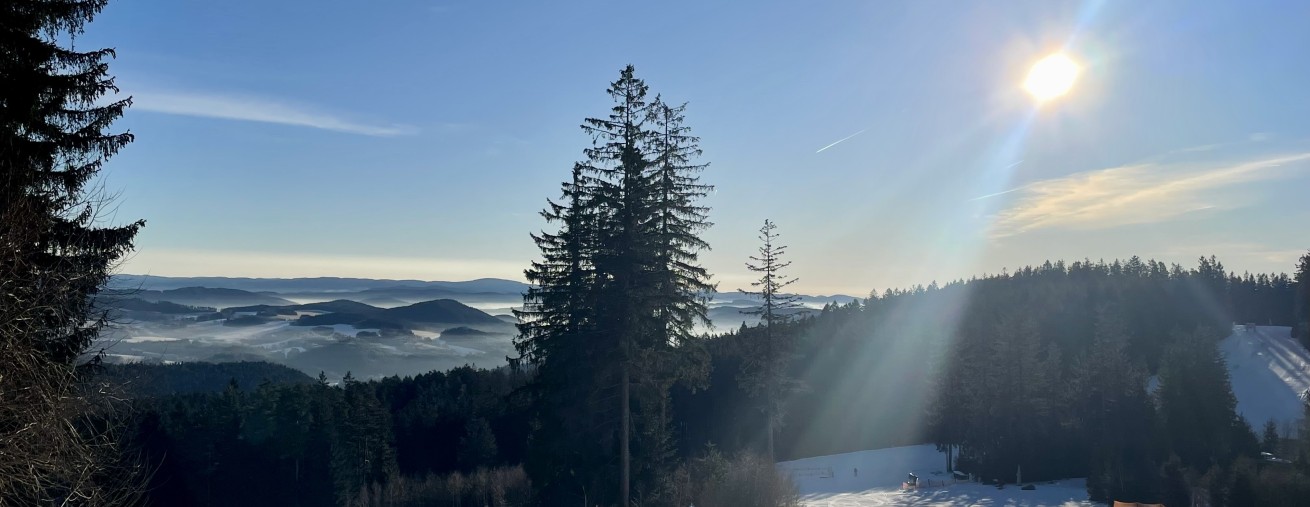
{"points": [[857, 472], [913, 481]]}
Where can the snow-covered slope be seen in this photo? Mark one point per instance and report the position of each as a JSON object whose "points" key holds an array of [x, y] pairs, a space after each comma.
{"points": [[1269, 371], [868, 478]]}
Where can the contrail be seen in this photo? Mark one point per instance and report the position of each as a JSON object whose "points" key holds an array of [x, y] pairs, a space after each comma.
{"points": [[1015, 189], [981, 197], [839, 141]]}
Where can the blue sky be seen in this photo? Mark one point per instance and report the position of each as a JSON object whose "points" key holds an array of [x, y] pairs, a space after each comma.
{"points": [[418, 138]]}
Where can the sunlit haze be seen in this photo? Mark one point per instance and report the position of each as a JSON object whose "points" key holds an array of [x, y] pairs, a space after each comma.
{"points": [[894, 143]]}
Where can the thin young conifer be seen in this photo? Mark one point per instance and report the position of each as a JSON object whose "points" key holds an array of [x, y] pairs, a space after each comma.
{"points": [[764, 368]]}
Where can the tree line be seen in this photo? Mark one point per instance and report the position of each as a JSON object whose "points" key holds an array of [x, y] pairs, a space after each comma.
{"points": [[1059, 384], [999, 371], [292, 443]]}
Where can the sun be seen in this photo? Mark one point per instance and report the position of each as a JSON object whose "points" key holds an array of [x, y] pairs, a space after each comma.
{"points": [[1051, 77]]}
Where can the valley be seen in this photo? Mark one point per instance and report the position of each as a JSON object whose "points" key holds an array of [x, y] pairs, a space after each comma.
{"points": [[368, 328]]}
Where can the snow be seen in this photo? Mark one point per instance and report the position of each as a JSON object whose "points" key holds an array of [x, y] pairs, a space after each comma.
{"points": [[1068, 493], [833, 481], [146, 339], [217, 332], [1269, 371], [349, 330], [464, 351], [881, 468], [439, 345], [124, 358]]}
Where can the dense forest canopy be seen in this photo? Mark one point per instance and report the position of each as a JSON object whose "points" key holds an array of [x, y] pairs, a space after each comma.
{"points": [[1049, 343]]}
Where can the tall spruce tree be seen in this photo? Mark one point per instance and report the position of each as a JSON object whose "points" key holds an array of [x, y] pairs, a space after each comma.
{"points": [[56, 253], [619, 291], [618, 168], [764, 365], [684, 287], [681, 287], [557, 333]]}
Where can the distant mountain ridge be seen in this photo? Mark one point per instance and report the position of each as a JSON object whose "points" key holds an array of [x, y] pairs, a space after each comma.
{"points": [[317, 284], [215, 297], [360, 315], [387, 290]]}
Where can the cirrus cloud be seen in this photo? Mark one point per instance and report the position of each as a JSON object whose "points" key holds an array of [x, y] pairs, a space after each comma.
{"points": [[257, 109], [1136, 194]]}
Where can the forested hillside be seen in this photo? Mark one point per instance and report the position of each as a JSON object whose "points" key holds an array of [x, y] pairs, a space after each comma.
{"points": [[870, 368], [311, 443], [1045, 368], [151, 380]]}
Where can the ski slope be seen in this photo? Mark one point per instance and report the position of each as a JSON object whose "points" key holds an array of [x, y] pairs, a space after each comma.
{"points": [[873, 478], [1269, 371]]}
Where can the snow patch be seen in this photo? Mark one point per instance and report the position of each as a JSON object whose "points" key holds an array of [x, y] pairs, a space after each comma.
{"points": [[147, 339], [349, 330], [873, 478], [1269, 371]]}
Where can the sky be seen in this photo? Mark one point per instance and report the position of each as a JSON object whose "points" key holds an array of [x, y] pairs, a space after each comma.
{"points": [[891, 141]]}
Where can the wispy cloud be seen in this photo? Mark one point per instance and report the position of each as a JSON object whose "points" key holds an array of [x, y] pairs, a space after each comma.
{"points": [[257, 109], [1138, 194], [209, 262], [839, 141]]}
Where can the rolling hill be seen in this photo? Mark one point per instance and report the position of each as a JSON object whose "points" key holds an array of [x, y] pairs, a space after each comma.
{"points": [[427, 314], [446, 311], [211, 297]]}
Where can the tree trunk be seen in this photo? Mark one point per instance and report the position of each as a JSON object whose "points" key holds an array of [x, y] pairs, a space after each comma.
{"points": [[770, 430], [624, 452], [771, 376]]}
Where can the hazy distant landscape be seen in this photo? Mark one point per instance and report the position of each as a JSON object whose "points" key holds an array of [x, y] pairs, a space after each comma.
{"points": [[369, 328]]}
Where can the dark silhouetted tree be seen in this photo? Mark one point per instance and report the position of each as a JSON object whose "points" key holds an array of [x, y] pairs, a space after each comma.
{"points": [[478, 447], [1269, 439], [56, 252], [618, 289]]}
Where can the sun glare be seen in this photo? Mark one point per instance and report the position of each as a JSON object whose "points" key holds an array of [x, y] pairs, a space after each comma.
{"points": [[1051, 77]]}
